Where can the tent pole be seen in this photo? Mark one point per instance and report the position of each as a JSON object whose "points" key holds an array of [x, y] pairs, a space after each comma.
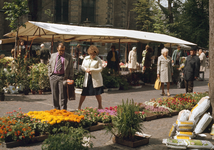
{"points": [[72, 51], [26, 48], [52, 44], [170, 49], [126, 52], [119, 57], [119, 50]]}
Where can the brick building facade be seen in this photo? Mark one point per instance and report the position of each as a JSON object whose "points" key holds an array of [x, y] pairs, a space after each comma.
{"points": [[100, 13]]}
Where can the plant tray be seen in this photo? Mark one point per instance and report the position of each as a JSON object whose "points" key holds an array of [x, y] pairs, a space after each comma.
{"points": [[12, 144], [174, 113], [96, 127], [140, 142], [104, 124], [150, 116]]}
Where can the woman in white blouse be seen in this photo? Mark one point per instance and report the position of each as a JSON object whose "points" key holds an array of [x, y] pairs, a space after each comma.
{"points": [[132, 60], [93, 81]]}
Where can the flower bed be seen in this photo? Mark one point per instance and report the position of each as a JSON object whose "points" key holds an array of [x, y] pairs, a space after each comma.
{"points": [[15, 127], [180, 101]]}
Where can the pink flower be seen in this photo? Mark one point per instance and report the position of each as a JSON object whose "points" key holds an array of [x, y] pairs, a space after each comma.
{"points": [[14, 110], [19, 108]]}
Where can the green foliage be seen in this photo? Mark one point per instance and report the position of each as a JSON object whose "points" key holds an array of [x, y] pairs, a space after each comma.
{"points": [[2, 79], [34, 86], [39, 76], [49, 14], [14, 11], [195, 22], [127, 121], [145, 10], [79, 79], [71, 138]]}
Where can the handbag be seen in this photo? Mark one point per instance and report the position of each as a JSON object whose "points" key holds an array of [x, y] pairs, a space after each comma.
{"points": [[70, 92], [157, 85]]}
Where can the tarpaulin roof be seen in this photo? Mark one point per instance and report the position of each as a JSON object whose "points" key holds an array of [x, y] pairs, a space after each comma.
{"points": [[69, 33]]}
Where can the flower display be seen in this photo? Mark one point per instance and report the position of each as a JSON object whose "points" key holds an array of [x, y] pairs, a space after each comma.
{"points": [[155, 109], [13, 127], [180, 101], [55, 116], [90, 114]]}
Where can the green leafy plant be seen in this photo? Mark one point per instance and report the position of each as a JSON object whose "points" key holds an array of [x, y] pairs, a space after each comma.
{"points": [[34, 86], [71, 138], [79, 79], [127, 121]]}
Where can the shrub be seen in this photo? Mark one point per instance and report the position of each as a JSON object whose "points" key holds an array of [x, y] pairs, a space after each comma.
{"points": [[72, 138]]}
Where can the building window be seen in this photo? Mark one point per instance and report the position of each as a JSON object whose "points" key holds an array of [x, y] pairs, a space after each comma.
{"points": [[88, 10], [61, 10]]}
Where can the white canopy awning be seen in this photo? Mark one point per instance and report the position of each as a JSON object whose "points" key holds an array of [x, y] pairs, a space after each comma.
{"points": [[68, 33]]}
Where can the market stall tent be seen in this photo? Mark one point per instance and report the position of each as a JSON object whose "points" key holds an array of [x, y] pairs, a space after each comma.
{"points": [[69, 33]]}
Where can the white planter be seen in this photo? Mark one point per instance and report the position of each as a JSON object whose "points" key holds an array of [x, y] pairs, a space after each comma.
{"points": [[78, 91], [137, 87], [113, 89], [105, 90]]}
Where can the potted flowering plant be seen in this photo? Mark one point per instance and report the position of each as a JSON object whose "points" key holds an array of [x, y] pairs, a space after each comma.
{"points": [[125, 125], [34, 86]]}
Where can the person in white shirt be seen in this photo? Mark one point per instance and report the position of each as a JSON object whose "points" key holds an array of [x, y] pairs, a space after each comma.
{"points": [[93, 81]]}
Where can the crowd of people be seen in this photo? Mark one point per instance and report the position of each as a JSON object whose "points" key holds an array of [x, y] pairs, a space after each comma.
{"points": [[60, 68]]}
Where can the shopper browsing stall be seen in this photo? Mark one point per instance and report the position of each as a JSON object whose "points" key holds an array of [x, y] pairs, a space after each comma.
{"points": [[132, 65], [93, 81], [60, 69], [165, 70]]}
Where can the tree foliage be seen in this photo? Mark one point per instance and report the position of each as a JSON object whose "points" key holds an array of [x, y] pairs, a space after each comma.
{"points": [[15, 10], [145, 10], [188, 20], [195, 22]]}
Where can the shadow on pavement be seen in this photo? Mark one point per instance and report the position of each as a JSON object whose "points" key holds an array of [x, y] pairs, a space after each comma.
{"points": [[21, 98], [154, 144]]}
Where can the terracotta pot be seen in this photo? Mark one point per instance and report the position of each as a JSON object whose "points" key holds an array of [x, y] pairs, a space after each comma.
{"points": [[26, 92], [40, 92], [33, 92]]}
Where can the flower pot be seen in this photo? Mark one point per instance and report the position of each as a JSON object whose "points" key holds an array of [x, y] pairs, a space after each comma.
{"points": [[139, 141], [2, 96], [33, 92], [40, 92], [26, 91]]}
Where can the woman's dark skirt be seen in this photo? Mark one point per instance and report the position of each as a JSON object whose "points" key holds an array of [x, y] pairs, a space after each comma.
{"points": [[90, 90]]}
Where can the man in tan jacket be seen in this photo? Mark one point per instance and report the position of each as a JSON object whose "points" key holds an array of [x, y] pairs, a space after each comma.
{"points": [[60, 69]]}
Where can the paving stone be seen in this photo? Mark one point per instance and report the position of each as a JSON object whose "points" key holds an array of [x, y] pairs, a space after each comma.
{"points": [[158, 128]]}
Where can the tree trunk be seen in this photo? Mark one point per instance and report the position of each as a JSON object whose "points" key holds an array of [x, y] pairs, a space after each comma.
{"points": [[211, 53], [170, 11], [158, 1]]}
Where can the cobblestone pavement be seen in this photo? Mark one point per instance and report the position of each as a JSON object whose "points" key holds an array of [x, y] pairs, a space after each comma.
{"points": [[159, 128]]}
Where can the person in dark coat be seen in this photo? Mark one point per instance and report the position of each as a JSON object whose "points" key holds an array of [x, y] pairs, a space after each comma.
{"points": [[191, 70], [112, 59], [44, 54]]}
